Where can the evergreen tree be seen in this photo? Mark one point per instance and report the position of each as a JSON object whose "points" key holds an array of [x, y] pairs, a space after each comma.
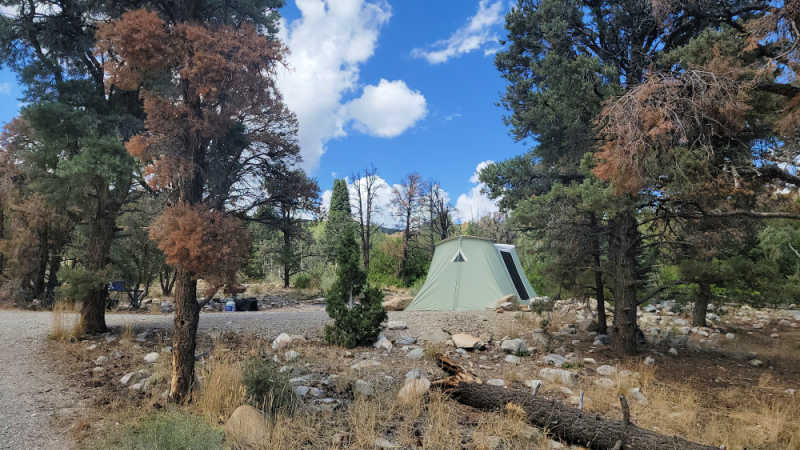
{"points": [[339, 219], [356, 307]]}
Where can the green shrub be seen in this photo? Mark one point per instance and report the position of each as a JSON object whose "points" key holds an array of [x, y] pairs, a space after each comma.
{"points": [[302, 281], [166, 431], [413, 290], [266, 388], [359, 325]]}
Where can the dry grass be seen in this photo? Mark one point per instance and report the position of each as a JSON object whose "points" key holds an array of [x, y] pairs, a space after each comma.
{"points": [[367, 417], [67, 324], [521, 325], [128, 333], [221, 390], [442, 430], [510, 428]]}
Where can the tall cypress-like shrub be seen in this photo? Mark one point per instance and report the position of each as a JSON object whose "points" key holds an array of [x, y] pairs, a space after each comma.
{"points": [[355, 307]]}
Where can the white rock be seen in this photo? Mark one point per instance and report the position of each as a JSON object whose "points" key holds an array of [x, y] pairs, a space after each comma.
{"points": [[559, 376], [416, 354], [636, 395], [589, 361], [151, 357], [495, 382], [730, 336], [606, 370], [756, 362], [99, 369], [301, 391], [383, 343], [672, 351], [291, 355], [91, 347], [100, 360], [512, 359], [515, 346], [127, 378], [649, 361], [364, 388], [383, 443], [533, 384], [396, 325], [281, 341], [466, 341], [554, 360], [365, 364], [413, 389]]}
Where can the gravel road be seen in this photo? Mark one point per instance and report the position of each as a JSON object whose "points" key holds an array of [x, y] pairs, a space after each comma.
{"points": [[31, 394]]}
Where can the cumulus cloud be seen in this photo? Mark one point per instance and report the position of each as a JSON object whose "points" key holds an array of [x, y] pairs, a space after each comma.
{"points": [[327, 45], [383, 214], [477, 33], [475, 204], [388, 109]]}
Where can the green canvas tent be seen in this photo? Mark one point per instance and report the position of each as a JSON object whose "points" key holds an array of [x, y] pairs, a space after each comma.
{"points": [[470, 273]]}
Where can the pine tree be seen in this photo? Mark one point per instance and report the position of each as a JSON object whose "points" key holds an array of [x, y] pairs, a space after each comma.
{"points": [[339, 218], [356, 307]]}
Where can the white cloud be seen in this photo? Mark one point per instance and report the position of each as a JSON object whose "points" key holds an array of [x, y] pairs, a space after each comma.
{"points": [[388, 109], [383, 214], [475, 204], [474, 35], [327, 45]]}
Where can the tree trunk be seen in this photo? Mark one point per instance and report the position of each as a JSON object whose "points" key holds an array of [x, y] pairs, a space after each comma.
{"points": [[574, 426], [52, 279], [41, 271], [571, 425], [101, 235], [187, 317], [623, 253], [701, 302], [599, 285], [166, 281]]}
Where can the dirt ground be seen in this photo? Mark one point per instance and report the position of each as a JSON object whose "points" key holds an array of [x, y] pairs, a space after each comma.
{"points": [[708, 393]]}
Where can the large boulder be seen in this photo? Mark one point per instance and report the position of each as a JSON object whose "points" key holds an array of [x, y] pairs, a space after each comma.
{"points": [[247, 427], [515, 346], [396, 302], [466, 341]]}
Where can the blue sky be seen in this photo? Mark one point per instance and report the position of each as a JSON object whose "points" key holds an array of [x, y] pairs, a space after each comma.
{"points": [[405, 86]]}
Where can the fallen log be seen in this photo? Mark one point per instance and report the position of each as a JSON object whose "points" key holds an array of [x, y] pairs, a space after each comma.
{"points": [[569, 424]]}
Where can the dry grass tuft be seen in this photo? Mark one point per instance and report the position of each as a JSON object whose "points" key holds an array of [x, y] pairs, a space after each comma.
{"points": [[442, 429], [366, 418], [221, 390], [67, 324], [128, 333]]}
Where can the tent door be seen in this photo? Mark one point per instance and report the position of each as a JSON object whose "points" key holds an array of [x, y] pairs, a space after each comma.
{"points": [[512, 270]]}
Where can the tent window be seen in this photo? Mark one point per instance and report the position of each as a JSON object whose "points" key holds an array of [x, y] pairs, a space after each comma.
{"points": [[512, 270], [459, 257]]}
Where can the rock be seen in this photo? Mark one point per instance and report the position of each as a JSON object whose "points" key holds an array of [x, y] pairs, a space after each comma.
{"points": [[363, 388], [506, 306], [383, 443], [528, 432], [383, 343], [406, 340], [515, 346], [247, 426], [98, 369], [434, 336], [396, 302], [602, 339], [774, 335], [649, 361], [127, 377], [605, 383], [636, 395], [533, 384], [166, 307], [541, 339], [650, 308], [678, 322], [140, 386], [142, 337], [413, 389], [606, 370], [466, 341], [554, 359], [396, 325], [495, 382], [512, 359], [559, 376], [301, 391], [730, 336], [299, 380], [365, 364], [327, 404], [283, 340], [91, 347], [100, 360], [291, 355], [151, 357], [416, 354], [589, 361], [672, 351], [756, 362]]}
